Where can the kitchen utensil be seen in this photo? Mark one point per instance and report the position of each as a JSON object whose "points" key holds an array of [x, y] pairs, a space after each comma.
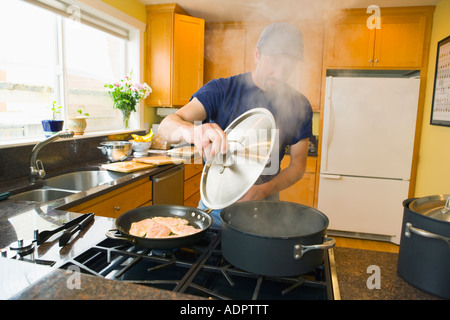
{"points": [[160, 160], [41, 237], [424, 253], [274, 238], [226, 178], [67, 235], [141, 146], [127, 166], [4, 196], [196, 218], [116, 150]]}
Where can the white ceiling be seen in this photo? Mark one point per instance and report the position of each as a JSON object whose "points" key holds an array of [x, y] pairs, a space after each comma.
{"points": [[275, 10]]}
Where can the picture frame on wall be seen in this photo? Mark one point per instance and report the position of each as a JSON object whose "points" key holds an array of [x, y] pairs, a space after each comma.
{"points": [[440, 108]]}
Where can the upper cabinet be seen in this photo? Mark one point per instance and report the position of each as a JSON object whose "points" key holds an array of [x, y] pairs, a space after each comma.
{"points": [[229, 50], [174, 55], [399, 42]]}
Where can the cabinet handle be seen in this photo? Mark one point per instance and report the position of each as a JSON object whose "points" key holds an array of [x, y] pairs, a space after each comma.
{"points": [[376, 60], [370, 60], [117, 208]]}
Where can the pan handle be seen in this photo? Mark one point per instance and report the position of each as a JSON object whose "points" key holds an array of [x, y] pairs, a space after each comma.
{"points": [[301, 249], [113, 234], [410, 229]]}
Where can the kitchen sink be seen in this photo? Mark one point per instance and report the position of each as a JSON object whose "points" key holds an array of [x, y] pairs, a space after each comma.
{"points": [[42, 195], [82, 180], [66, 184]]}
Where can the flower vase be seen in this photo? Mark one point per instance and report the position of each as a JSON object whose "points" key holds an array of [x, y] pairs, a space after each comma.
{"points": [[126, 118]]}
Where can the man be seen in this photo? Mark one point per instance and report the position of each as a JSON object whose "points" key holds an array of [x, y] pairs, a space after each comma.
{"points": [[220, 101]]}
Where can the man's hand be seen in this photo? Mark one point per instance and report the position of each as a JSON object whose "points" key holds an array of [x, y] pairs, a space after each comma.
{"points": [[209, 139]]}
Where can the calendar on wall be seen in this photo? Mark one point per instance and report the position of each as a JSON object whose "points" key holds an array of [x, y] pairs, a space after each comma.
{"points": [[440, 109]]}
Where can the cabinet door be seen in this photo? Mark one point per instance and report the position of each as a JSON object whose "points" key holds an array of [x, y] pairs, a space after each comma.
{"points": [[224, 52], [349, 42], [188, 57], [399, 42], [159, 58], [117, 202]]}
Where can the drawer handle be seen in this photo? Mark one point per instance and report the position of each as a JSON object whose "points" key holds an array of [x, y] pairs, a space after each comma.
{"points": [[117, 208]]}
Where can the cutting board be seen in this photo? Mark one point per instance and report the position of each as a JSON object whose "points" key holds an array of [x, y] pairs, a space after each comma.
{"points": [[159, 160], [127, 166]]}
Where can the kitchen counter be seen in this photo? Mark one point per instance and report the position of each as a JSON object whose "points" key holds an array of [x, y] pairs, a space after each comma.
{"points": [[353, 274], [351, 265], [62, 285]]}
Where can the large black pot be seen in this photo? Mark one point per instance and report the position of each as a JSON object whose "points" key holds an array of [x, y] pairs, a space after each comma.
{"points": [[274, 238], [424, 254]]}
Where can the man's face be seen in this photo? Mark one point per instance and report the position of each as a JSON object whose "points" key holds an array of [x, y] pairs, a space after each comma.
{"points": [[273, 70]]}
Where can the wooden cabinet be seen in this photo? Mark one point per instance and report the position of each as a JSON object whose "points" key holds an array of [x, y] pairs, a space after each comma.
{"points": [[174, 55], [229, 50], [192, 178], [119, 201], [303, 191], [398, 43]]}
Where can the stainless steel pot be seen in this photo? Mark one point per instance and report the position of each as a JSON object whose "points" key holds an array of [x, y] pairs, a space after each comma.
{"points": [[274, 238], [116, 150], [424, 254]]}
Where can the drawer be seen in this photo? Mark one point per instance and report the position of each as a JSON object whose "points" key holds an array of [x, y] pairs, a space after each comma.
{"points": [[192, 185], [193, 200], [119, 201], [192, 169]]}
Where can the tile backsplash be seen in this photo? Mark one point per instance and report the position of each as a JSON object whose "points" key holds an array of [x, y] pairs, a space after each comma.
{"points": [[15, 161]]}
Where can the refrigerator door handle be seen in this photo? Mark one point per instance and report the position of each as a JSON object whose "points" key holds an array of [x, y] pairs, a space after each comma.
{"points": [[331, 176], [326, 123]]}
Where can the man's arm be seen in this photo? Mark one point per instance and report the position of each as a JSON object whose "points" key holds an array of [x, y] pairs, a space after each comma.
{"points": [[180, 126], [286, 177]]}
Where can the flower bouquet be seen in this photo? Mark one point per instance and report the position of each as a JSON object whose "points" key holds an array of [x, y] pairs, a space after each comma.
{"points": [[126, 95]]}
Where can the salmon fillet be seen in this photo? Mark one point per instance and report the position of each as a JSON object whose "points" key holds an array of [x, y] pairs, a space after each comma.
{"points": [[162, 227], [149, 229], [184, 230], [171, 221]]}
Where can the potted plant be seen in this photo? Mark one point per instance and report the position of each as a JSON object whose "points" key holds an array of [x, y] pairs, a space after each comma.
{"points": [[53, 125], [125, 94], [77, 123]]}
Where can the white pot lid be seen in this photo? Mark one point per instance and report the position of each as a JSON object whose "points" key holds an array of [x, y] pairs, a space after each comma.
{"points": [[226, 178]]}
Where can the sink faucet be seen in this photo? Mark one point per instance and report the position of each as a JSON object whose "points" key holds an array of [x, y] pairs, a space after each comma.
{"points": [[36, 166]]}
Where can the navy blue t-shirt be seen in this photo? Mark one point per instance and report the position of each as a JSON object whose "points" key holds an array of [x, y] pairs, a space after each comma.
{"points": [[225, 99]]}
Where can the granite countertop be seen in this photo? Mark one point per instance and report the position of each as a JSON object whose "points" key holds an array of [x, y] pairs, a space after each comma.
{"points": [[357, 270]]}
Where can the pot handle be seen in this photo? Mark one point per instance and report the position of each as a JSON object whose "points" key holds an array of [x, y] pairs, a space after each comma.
{"points": [[301, 249], [410, 229], [114, 234]]}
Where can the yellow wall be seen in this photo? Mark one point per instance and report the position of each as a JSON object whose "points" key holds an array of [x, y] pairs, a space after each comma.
{"points": [[433, 173], [131, 7]]}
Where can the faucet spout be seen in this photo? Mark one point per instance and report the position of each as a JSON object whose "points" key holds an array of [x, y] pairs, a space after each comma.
{"points": [[36, 172]]}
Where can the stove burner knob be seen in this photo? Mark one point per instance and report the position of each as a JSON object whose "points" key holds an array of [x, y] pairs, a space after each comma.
{"points": [[5, 253], [22, 247]]}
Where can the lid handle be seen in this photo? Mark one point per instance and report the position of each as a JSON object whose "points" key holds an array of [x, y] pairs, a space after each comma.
{"points": [[446, 209]]}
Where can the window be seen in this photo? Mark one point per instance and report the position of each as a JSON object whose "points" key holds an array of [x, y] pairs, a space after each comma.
{"points": [[46, 57]]}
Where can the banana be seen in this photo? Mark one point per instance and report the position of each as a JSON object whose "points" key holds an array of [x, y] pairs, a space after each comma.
{"points": [[147, 138]]}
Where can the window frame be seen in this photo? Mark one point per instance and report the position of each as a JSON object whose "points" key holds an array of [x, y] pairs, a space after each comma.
{"points": [[134, 60]]}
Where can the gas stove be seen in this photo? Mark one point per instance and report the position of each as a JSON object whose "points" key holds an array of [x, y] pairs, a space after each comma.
{"points": [[202, 271]]}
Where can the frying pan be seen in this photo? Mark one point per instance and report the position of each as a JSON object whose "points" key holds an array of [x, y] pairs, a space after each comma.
{"points": [[197, 218]]}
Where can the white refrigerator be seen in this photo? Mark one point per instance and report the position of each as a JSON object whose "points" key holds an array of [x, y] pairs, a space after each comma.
{"points": [[367, 146]]}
